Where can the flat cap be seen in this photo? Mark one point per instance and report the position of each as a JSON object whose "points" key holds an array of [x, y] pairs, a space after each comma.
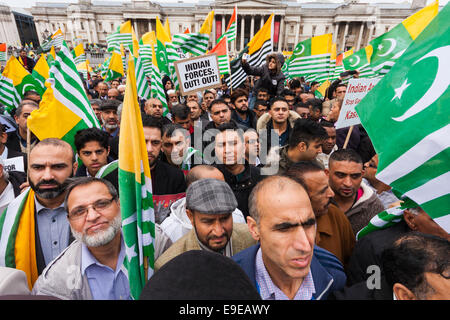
{"points": [[210, 196], [110, 104]]}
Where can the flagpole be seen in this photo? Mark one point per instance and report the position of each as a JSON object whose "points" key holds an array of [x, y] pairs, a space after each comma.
{"points": [[28, 149], [146, 269], [348, 137]]}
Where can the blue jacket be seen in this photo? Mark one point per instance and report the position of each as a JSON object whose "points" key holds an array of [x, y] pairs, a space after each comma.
{"points": [[327, 271]]}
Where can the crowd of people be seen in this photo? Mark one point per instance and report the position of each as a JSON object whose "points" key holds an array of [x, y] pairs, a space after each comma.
{"points": [[255, 180]]}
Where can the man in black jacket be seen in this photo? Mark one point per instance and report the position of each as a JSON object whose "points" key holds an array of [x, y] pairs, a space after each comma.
{"points": [[241, 113], [270, 74], [230, 156], [168, 182], [17, 140]]}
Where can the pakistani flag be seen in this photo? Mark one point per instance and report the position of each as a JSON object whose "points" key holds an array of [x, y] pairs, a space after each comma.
{"points": [[15, 81], [135, 189], [311, 59], [360, 61], [231, 31], [40, 73], [388, 47], [115, 67], [157, 87], [258, 48], [411, 103]]}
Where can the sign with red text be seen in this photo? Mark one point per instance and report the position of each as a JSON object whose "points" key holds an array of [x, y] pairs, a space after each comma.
{"points": [[356, 91], [198, 73]]}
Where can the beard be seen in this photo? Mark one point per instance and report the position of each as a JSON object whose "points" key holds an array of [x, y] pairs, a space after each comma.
{"points": [[52, 192], [100, 238]]}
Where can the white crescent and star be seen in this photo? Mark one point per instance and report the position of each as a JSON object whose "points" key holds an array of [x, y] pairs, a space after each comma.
{"points": [[301, 51], [393, 44], [438, 87], [358, 59], [25, 86]]}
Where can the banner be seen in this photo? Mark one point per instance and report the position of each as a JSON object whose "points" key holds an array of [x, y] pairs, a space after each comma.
{"points": [[356, 91], [198, 73]]}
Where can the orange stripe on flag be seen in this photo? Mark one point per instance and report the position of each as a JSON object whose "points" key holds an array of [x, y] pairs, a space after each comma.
{"points": [[25, 247]]}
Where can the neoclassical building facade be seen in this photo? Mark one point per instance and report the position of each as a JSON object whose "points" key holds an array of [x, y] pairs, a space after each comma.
{"points": [[353, 23]]}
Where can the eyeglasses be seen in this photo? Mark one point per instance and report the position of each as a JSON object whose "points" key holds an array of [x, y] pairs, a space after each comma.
{"points": [[99, 206]]}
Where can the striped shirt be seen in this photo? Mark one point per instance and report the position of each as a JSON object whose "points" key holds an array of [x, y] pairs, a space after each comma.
{"points": [[269, 291]]}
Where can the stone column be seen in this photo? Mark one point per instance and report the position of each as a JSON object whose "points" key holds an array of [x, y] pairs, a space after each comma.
{"points": [[281, 35], [361, 30], [344, 37], [336, 33], [369, 37], [135, 28], [88, 31], [297, 31], [242, 32], [252, 26], [95, 38], [214, 32], [261, 23], [224, 27]]}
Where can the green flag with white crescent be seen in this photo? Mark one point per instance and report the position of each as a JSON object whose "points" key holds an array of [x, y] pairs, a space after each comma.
{"points": [[411, 103]]}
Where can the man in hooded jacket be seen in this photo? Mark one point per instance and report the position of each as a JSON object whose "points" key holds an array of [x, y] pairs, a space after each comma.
{"points": [[270, 74]]}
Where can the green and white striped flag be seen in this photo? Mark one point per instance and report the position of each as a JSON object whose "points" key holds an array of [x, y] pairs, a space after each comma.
{"points": [[9, 96], [195, 43], [231, 30], [143, 88], [383, 220], [172, 56], [135, 189], [411, 103], [221, 49], [145, 53], [3, 51]]}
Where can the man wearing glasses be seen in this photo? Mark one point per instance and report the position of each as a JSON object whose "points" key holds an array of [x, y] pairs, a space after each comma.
{"points": [[92, 266]]}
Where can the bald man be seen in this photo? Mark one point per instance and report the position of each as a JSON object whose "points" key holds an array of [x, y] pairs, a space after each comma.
{"points": [[154, 108], [286, 265], [177, 224]]}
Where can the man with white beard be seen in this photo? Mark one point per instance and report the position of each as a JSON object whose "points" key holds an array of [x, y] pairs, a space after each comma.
{"points": [[92, 266]]}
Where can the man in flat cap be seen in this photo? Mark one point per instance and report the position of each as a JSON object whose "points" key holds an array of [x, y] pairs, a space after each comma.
{"points": [[209, 206], [110, 118]]}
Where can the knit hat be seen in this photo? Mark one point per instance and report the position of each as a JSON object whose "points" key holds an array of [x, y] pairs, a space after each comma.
{"points": [[200, 275]]}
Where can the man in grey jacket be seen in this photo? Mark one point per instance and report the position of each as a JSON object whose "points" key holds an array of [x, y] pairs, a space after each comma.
{"points": [[359, 202], [92, 266]]}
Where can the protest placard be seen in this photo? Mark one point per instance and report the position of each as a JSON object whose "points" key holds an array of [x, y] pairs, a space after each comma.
{"points": [[356, 91], [198, 73], [14, 164]]}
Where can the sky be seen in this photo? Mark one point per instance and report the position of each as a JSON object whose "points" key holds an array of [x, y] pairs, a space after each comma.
{"points": [[30, 3]]}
